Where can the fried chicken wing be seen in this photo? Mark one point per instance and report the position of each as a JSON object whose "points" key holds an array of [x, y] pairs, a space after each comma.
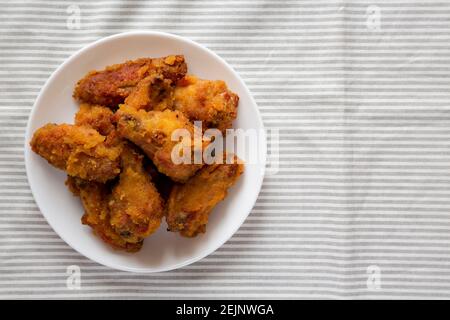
{"points": [[94, 197], [152, 132], [80, 151], [112, 85], [96, 117], [162, 182], [152, 93], [135, 204], [205, 100], [190, 204], [99, 118]]}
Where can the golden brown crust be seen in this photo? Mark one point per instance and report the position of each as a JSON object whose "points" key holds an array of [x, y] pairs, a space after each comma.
{"points": [[94, 197], [99, 118], [162, 182], [206, 100], [152, 132], [112, 85], [152, 93], [96, 117], [135, 204], [190, 204], [124, 194], [80, 151]]}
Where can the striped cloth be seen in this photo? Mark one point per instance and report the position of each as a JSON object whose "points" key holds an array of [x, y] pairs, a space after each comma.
{"points": [[359, 91]]}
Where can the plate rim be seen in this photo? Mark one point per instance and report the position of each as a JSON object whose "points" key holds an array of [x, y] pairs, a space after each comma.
{"points": [[262, 144]]}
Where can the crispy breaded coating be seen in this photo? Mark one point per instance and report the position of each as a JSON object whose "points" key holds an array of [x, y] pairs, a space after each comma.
{"points": [[80, 151], [206, 100], [135, 204], [152, 132], [99, 118], [134, 153], [152, 93], [112, 85], [162, 182], [190, 204], [96, 117], [94, 197]]}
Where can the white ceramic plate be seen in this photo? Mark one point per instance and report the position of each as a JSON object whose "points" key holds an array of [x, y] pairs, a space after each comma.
{"points": [[163, 250]]}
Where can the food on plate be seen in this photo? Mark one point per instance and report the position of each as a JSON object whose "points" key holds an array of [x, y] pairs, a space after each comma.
{"points": [[206, 100], [162, 182], [190, 204], [134, 154], [95, 197], [112, 85], [135, 204], [80, 151], [96, 117], [209, 101], [152, 132], [152, 93], [99, 118]]}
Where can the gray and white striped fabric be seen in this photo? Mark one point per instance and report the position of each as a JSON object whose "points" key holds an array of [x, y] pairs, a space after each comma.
{"points": [[360, 93]]}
